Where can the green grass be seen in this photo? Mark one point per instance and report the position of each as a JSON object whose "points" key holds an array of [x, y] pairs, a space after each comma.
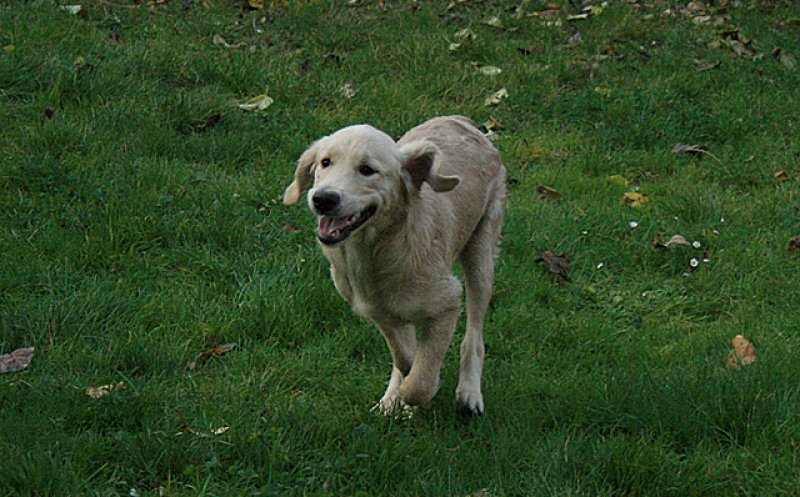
{"points": [[137, 231]]}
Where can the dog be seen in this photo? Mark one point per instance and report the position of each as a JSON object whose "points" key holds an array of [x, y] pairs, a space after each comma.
{"points": [[392, 219]]}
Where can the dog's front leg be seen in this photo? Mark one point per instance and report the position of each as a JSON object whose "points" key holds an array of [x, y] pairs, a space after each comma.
{"points": [[422, 383], [402, 343]]}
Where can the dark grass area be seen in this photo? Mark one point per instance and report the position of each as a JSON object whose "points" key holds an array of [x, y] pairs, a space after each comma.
{"points": [[141, 225]]}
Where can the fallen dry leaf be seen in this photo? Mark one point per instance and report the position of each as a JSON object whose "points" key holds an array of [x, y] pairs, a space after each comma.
{"points": [[674, 240], [682, 148], [259, 102], [788, 60], [782, 175], [677, 240], [794, 243], [221, 430], [16, 360], [492, 123], [496, 97], [707, 66], [490, 70], [101, 391], [72, 9], [493, 21], [464, 37], [555, 263], [618, 180], [578, 17], [219, 350], [743, 353], [256, 4], [547, 193], [635, 199], [349, 89], [602, 90]]}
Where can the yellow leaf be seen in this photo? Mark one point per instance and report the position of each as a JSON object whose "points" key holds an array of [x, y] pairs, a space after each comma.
{"points": [[782, 175], [259, 102], [635, 199], [602, 91], [618, 180], [101, 391], [9, 48], [256, 4]]}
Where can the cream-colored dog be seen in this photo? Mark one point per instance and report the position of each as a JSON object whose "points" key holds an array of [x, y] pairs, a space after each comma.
{"points": [[393, 218]]}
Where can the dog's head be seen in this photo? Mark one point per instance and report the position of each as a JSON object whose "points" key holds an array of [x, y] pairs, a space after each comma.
{"points": [[362, 177]]}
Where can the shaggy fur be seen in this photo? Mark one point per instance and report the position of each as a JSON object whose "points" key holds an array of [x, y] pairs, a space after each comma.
{"points": [[393, 218]]}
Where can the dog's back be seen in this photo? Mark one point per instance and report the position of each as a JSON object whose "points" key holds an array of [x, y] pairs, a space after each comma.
{"points": [[465, 153]]}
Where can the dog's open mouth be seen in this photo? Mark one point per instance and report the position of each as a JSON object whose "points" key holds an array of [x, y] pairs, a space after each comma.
{"points": [[335, 229]]}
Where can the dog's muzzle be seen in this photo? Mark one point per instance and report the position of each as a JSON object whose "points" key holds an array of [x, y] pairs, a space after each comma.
{"points": [[333, 230]]}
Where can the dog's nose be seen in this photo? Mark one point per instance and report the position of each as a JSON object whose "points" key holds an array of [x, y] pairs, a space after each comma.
{"points": [[325, 202]]}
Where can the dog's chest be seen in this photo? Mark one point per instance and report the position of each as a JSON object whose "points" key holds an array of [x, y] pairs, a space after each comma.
{"points": [[357, 282]]}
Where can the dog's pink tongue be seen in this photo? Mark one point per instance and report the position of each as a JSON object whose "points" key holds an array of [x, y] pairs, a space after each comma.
{"points": [[327, 225]]}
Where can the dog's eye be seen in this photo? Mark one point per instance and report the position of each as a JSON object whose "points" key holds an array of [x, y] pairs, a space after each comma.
{"points": [[365, 170], [325, 163]]}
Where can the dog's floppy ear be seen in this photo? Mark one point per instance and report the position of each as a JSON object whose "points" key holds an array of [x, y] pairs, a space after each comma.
{"points": [[302, 175], [421, 162]]}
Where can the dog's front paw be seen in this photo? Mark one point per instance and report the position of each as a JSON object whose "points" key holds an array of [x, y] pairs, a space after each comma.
{"points": [[470, 401], [390, 404]]}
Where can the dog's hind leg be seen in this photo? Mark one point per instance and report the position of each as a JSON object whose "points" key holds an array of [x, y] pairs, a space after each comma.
{"points": [[478, 259], [402, 343]]}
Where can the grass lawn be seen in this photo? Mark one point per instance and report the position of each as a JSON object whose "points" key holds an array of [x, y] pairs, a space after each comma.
{"points": [[140, 226]]}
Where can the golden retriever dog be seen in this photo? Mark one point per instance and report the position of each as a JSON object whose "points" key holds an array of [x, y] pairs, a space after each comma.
{"points": [[393, 218]]}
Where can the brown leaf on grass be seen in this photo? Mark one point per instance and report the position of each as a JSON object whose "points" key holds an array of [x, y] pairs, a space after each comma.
{"points": [[103, 390], [547, 193], [743, 353], [677, 240], [49, 113], [218, 350], [16, 360], [782, 175], [549, 13], [635, 199], [674, 240], [555, 263], [682, 148], [794, 243], [707, 66]]}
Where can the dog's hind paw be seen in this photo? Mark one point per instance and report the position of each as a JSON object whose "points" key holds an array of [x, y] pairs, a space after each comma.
{"points": [[470, 402]]}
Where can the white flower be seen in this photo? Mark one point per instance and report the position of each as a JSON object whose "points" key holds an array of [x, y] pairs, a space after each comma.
{"points": [[694, 262], [696, 244], [633, 224]]}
